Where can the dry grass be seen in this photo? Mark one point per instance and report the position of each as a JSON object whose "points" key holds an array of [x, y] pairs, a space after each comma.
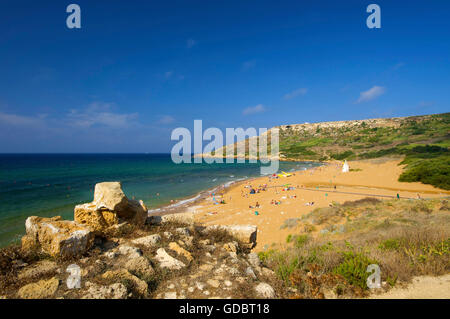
{"points": [[405, 238]]}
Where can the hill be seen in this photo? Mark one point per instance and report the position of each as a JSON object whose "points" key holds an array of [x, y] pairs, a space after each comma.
{"points": [[423, 141]]}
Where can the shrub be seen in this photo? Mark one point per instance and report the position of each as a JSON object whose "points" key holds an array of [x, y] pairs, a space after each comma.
{"points": [[354, 267]]}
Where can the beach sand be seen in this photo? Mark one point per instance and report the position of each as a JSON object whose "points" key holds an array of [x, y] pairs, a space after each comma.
{"points": [[368, 178]]}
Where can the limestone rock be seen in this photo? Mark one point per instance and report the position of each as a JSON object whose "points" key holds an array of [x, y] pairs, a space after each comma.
{"points": [[140, 265], [38, 269], [148, 241], [39, 290], [167, 261], [181, 251], [139, 286], [265, 290], [182, 218], [57, 237], [113, 291], [130, 251], [231, 247], [254, 260], [213, 283], [110, 208], [244, 233]]}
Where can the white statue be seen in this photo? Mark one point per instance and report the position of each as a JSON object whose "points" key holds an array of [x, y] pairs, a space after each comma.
{"points": [[345, 168]]}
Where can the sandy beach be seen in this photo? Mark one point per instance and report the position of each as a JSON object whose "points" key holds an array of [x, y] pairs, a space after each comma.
{"points": [[321, 186]]}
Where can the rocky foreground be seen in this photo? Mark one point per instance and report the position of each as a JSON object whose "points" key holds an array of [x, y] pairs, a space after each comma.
{"points": [[113, 250]]}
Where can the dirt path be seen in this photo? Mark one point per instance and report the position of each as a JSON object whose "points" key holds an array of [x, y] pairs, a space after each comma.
{"points": [[423, 287]]}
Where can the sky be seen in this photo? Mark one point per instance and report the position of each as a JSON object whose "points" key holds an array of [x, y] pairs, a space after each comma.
{"points": [[138, 69]]}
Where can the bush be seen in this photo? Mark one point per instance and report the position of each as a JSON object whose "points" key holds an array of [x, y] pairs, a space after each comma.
{"points": [[433, 171], [354, 268]]}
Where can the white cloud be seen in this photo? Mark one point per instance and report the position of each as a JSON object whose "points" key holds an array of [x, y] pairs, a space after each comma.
{"points": [[295, 93], [190, 43], [254, 109], [99, 113], [166, 119], [21, 120], [371, 94]]}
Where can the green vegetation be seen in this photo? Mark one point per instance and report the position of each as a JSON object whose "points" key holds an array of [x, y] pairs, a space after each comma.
{"points": [[423, 141], [405, 238]]}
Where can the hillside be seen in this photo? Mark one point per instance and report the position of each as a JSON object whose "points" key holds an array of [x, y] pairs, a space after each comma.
{"points": [[423, 140]]}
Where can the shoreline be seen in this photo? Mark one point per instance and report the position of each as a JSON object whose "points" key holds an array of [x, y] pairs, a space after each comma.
{"points": [[188, 202]]}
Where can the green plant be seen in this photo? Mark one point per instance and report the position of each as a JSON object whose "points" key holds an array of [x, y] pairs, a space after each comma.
{"points": [[390, 244], [354, 267]]}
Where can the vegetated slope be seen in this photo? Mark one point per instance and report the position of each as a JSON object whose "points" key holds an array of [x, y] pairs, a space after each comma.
{"points": [[423, 140]]}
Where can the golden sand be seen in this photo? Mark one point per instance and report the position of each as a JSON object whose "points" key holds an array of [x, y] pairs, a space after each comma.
{"points": [[367, 179]]}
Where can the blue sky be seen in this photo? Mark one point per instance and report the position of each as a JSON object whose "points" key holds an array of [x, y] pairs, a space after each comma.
{"points": [[138, 69]]}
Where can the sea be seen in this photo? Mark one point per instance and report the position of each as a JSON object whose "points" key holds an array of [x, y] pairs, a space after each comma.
{"points": [[52, 184]]}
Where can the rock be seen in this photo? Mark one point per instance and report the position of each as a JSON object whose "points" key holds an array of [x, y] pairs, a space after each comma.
{"points": [[113, 291], [39, 290], [231, 246], [213, 283], [57, 237], [168, 235], [204, 242], [110, 254], [140, 265], [39, 269], [167, 261], [181, 251], [250, 273], [200, 285], [110, 208], [228, 283], [183, 231], [148, 241], [188, 240], [265, 290], [132, 252], [244, 233], [206, 267], [139, 286], [182, 218], [170, 295], [254, 260]]}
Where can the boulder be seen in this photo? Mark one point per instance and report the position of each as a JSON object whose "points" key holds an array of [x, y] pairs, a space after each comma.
{"points": [[113, 291], [181, 218], [148, 241], [139, 286], [38, 269], [181, 251], [39, 290], [109, 209], [265, 290], [56, 237], [140, 265], [254, 260], [244, 233], [167, 261]]}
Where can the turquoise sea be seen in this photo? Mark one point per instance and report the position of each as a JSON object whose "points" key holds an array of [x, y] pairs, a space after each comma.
{"points": [[52, 184]]}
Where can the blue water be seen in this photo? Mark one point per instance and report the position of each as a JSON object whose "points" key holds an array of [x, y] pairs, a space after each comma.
{"points": [[52, 184]]}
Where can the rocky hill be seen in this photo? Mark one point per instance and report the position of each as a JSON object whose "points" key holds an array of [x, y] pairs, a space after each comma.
{"points": [[424, 141]]}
